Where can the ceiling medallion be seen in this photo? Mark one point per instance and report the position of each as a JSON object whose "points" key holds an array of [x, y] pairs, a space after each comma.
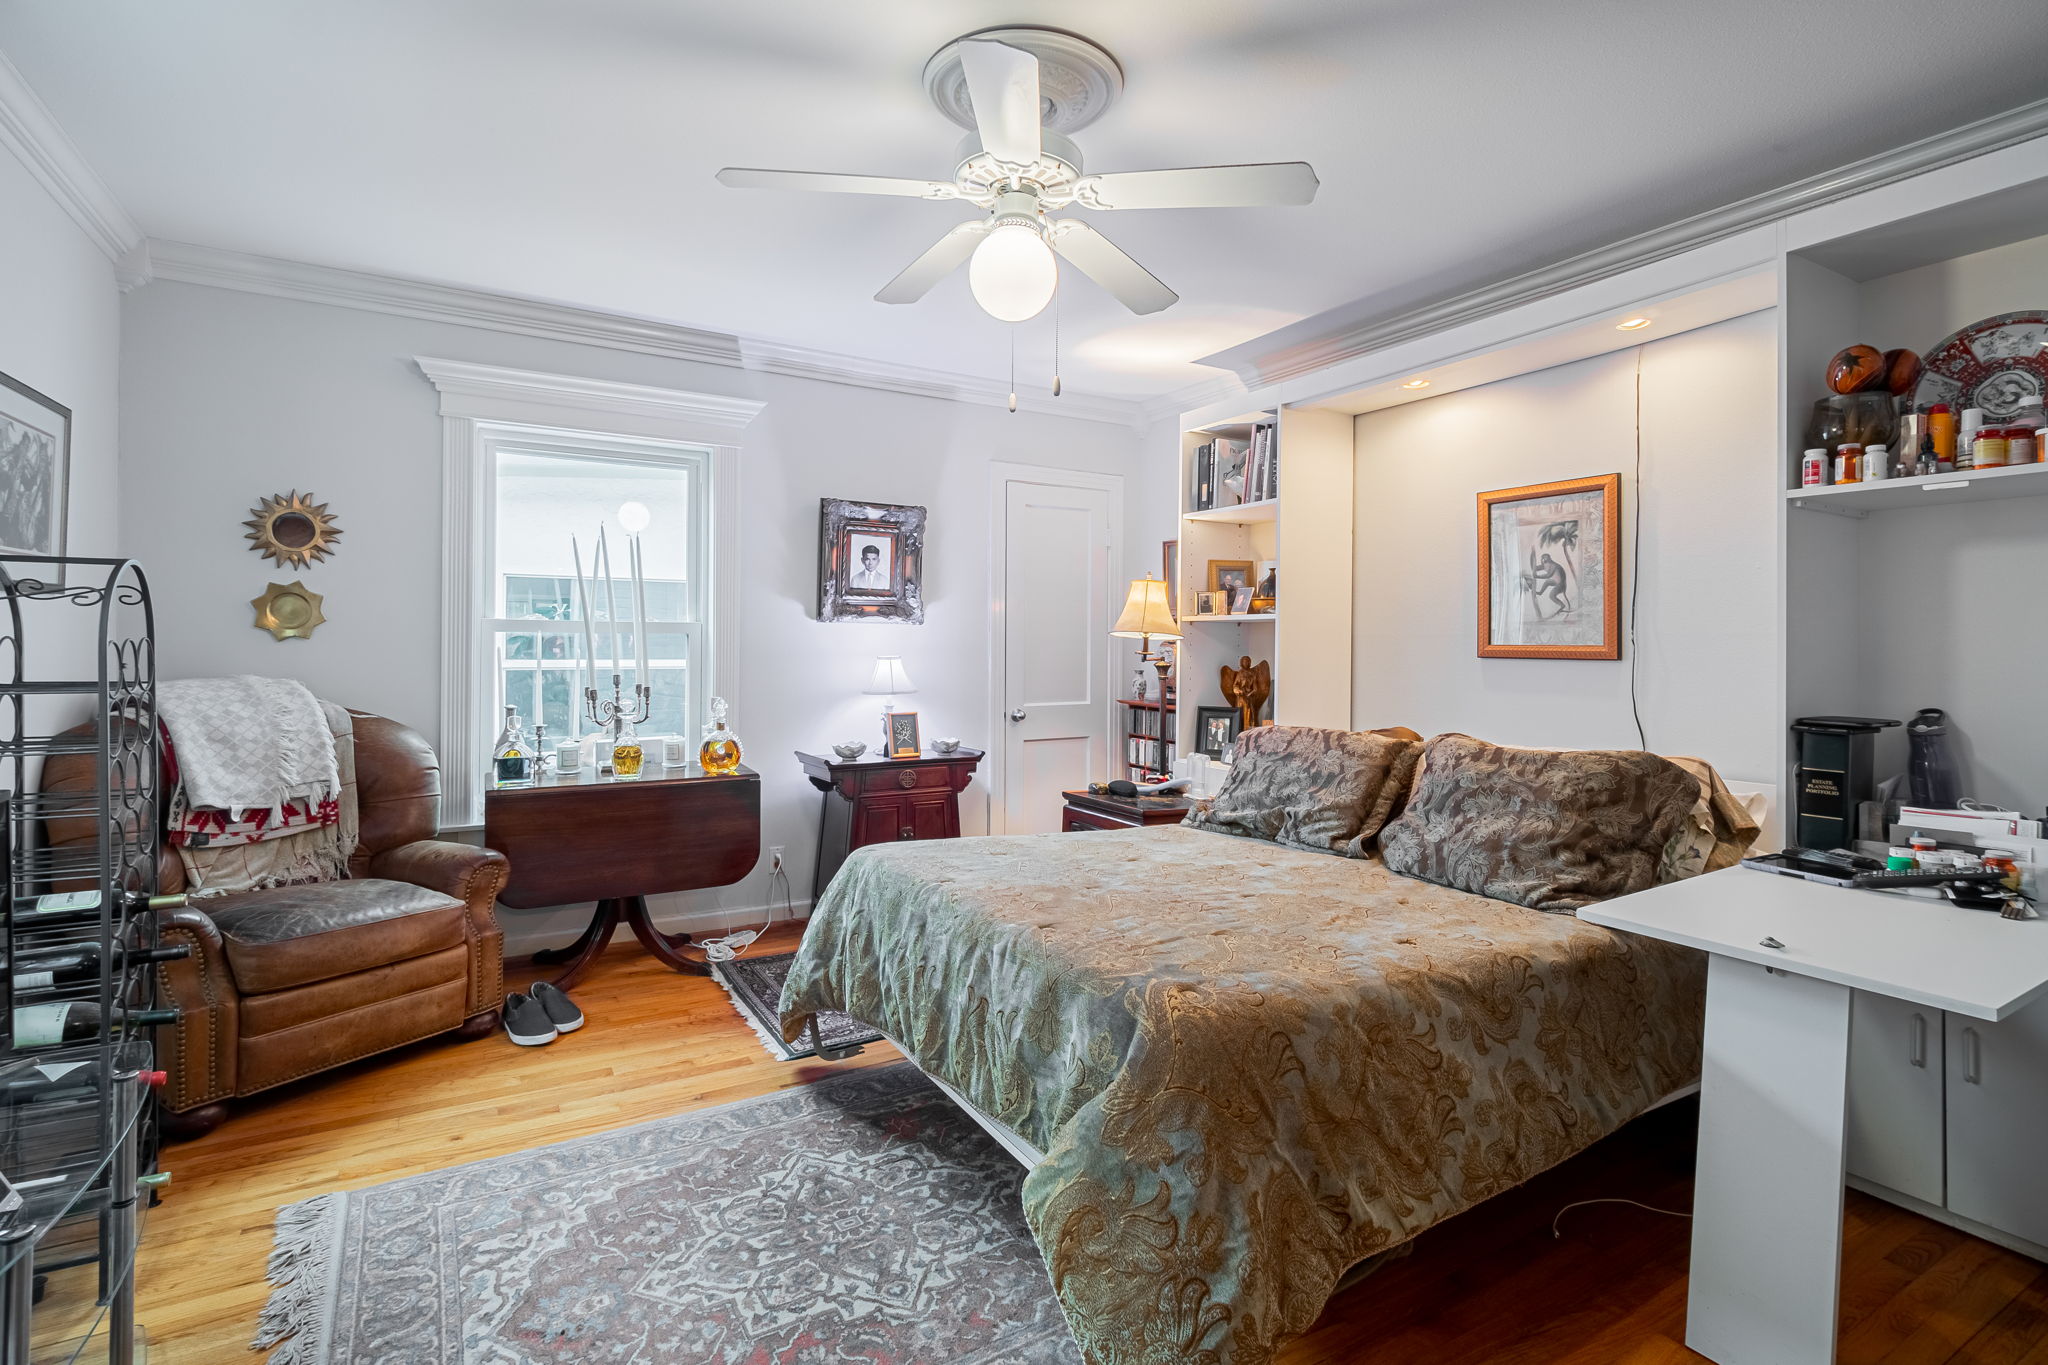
{"points": [[289, 611], [292, 530], [1077, 79]]}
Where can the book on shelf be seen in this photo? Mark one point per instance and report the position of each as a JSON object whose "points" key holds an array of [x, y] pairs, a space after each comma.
{"points": [[1229, 472]]}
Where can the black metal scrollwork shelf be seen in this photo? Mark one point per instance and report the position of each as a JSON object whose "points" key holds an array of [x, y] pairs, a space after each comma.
{"points": [[80, 936]]}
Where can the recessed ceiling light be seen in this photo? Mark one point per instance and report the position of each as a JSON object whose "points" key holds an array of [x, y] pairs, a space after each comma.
{"points": [[1416, 384], [1632, 325]]}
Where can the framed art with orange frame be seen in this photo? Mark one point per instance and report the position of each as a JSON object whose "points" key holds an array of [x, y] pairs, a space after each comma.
{"points": [[904, 741], [1550, 570]]}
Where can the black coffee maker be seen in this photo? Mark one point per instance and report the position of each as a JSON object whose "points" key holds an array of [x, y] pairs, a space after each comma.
{"points": [[1834, 775]]}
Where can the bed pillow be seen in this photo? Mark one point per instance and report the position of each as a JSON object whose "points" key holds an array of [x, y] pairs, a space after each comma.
{"points": [[1327, 791], [1552, 830]]}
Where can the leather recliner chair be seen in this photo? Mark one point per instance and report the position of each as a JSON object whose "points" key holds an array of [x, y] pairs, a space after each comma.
{"points": [[287, 982]]}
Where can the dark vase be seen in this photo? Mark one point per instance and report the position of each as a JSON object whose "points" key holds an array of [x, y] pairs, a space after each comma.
{"points": [[1931, 763]]}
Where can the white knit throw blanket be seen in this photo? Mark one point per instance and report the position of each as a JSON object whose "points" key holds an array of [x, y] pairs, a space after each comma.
{"points": [[248, 743]]}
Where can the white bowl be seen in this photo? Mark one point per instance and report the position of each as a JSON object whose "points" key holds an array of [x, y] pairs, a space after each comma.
{"points": [[945, 746], [850, 750]]}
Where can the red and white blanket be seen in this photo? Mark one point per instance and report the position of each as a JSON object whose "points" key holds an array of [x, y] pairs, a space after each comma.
{"points": [[262, 776]]}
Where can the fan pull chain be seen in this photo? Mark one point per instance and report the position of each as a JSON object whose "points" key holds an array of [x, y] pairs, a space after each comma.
{"points": [[1055, 346], [1013, 367]]}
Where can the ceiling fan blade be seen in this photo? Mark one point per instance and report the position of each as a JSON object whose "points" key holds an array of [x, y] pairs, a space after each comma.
{"points": [[1200, 187], [1002, 82], [1104, 262], [940, 260], [747, 178]]}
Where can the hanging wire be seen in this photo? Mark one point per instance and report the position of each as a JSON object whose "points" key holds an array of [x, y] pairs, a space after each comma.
{"points": [[1055, 345], [1013, 367]]}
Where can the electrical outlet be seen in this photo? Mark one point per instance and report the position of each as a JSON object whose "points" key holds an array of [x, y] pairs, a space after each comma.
{"points": [[775, 860]]}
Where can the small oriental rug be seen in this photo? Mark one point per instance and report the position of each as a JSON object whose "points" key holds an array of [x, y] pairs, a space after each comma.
{"points": [[755, 985], [862, 1218]]}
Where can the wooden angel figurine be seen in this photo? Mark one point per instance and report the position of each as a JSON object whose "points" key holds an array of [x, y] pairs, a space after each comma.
{"points": [[1246, 687]]}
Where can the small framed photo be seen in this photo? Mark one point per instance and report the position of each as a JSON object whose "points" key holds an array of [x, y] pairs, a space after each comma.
{"points": [[1227, 575], [1240, 601], [1550, 570], [904, 741], [1209, 604], [1216, 730], [1266, 589]]}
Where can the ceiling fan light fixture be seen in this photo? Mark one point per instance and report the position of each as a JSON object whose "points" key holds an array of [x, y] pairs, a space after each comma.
{"points": [[1012, 273]]}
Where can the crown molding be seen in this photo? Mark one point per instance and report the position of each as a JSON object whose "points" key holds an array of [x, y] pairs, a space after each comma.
{"points": [[1340, 334], [458, 379], [30, 131], [1195, 396], [802, 362], [191, 264], [219, 268]]}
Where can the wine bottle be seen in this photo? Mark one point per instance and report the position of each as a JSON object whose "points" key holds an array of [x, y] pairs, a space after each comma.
{"points": [[61, 1080], [76, 1021], [71, 907], [45, 969]]}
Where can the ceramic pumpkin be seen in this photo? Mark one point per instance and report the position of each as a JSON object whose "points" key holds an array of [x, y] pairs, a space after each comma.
{"points": [[1901, 370], [1855, 368]]}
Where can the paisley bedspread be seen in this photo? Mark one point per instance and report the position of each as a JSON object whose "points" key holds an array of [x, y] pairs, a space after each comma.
{"points": [[1249, 1067]]}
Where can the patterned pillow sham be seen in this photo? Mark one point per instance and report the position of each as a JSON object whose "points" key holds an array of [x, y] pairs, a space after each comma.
{"points": [[1552, 830], [1326, 791]]}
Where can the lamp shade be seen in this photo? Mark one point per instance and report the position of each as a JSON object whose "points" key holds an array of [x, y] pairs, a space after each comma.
{"points": [[889, 676], [1145, 612]]}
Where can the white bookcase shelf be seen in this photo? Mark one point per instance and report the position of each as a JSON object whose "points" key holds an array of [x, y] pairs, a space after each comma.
{"points": [[1244, 514], [1928, 490]]}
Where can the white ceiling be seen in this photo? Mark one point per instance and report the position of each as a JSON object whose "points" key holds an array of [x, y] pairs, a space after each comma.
{"points": [[564, 149]]}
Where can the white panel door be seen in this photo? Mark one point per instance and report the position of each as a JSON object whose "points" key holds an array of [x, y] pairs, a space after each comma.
{"points": [[1054, 563], [1997, 1111], [1895, 1116]]}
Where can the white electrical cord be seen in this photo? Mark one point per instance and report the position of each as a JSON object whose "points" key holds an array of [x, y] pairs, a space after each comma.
{"points": [[1559, 1236], [730, 946]]}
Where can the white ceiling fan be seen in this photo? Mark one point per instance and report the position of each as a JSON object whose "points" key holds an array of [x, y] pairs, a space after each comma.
{"points": [[1021, 91]]}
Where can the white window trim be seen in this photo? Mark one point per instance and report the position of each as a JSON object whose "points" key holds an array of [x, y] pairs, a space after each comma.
{"points": [[478, 405]]}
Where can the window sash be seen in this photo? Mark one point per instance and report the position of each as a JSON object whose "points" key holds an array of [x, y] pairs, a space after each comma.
{"points": [[493, 666]]}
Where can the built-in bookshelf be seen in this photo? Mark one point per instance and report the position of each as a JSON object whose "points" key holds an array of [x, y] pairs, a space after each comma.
{"points": [[1258, 488], [1149, 729]]}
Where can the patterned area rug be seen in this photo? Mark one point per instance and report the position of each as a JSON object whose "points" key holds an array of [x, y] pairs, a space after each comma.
{"points": [[755, 985], [859, 1219]]}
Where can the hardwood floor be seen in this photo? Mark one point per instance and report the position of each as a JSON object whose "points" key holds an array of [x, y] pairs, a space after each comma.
{"points": [[1490, 1286]]}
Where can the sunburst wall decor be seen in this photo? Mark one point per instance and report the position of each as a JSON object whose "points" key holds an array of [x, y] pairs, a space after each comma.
{"points": [[292, 529]]}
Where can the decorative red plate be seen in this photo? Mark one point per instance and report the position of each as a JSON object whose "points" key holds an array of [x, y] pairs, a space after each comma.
{"points": [[1990, 365]]}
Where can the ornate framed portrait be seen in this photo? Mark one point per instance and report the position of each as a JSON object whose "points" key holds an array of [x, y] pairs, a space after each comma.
{"points": [[1550, 570], [870, 561]]}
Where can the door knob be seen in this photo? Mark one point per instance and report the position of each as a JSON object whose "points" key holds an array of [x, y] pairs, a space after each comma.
{"points": [[1017, 714]]}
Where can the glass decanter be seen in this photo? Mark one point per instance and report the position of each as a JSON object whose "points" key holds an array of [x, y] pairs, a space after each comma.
{"points": [[627, 755], [720, 752], [512, 757]]}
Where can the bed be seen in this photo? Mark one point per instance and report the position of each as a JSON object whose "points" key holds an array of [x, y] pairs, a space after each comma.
{"points": [[1241, 1068]]}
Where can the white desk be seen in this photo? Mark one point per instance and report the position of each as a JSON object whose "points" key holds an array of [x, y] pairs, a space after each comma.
{"points": [[1767, 1198]]}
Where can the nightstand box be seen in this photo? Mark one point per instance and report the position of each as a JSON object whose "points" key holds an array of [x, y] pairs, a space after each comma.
{"points": [[885, 800], [1086, 810]]}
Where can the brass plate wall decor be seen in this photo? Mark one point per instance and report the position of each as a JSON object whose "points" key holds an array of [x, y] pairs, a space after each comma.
{"points": [[292, 530], [288, 611]]}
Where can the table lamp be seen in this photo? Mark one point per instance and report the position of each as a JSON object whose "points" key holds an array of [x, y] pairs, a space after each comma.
{"points": [[1145, 618], [888, 679]]}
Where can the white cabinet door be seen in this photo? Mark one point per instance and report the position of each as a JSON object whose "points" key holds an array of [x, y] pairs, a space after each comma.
{"points": [[1895, 1113], [1997, 1118]]}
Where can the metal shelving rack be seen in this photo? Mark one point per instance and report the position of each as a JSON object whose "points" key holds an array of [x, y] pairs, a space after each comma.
{"points": [[80, 937]]}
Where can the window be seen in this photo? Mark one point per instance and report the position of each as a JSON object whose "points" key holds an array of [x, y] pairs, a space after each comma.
{"points": [[542, 493], [529, 459]]}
